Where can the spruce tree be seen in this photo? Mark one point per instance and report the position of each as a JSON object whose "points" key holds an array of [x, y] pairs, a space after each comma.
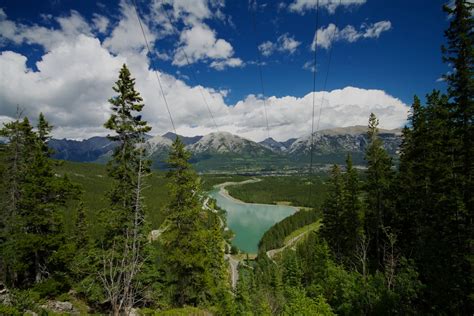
{"points": [[434, 218], [128, 157], [430, 211], [459, 53], [352, 216], [411, 179], [20, 136], [333, 209], [190, 259], [122, 255], [378, 185], [35, 222]]}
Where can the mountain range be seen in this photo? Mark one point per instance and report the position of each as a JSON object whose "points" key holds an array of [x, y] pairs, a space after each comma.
{"points": [[223, 151]]}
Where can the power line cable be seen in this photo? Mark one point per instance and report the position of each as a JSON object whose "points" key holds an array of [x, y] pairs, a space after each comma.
{"points": [[324, 89], [156, 73], [259, 66], [193, 74], [315, 39], [329, 66], [260, 74]]}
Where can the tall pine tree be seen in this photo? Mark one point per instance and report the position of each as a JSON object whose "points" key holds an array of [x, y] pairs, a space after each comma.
{"points": [[434, 218], [379, 179], [459, 53], [191, 257], [34, 223], [333, 210], [129, 133], [352, 217], [123, 248]]}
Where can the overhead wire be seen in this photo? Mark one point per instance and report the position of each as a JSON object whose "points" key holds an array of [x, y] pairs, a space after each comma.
{"points": [[156, 73], [315, 39], [193, 74], [329, 66], [260, 73], [323, 91], [259, 66]]}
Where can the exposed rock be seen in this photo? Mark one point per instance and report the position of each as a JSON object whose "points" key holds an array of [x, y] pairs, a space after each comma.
{"points": [[329, 146], [133, 312], [60, 307], [273, 145], [224, 142], [156, 233], [186, 140], [5, 298], [342, 141]]}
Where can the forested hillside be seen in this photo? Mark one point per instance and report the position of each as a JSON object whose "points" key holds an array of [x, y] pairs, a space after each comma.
{"points": [[284, 189], [395, 238], [106, 239]]}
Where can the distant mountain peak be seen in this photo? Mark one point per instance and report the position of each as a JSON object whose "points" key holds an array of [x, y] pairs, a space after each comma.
{"points": [[225, 142], [169, 135], [273, 145], [219, 150], [185, 139], [355, 130]]}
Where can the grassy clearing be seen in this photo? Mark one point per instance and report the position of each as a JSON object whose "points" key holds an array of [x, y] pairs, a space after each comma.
{"points": [[290, 190], [95, 184], [303, 230]]}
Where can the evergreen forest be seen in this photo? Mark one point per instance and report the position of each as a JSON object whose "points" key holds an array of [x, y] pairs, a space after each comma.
{"points": [[394, 238]]}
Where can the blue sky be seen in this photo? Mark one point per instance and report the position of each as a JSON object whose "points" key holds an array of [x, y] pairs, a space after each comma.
{"points": [[387, 50]]}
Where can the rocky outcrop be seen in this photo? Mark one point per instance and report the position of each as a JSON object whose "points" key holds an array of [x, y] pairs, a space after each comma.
{"points": [[60, 307]]}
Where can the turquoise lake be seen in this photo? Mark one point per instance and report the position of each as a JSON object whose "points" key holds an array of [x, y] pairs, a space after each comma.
{"points": [[250, 221]]}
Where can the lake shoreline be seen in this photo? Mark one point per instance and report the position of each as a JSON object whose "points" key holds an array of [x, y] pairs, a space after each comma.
{"points": [[225, 193], [248, 221]]}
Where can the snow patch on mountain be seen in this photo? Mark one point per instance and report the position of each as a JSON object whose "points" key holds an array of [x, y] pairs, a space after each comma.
{"points": [[158, 143], [224, 142]]}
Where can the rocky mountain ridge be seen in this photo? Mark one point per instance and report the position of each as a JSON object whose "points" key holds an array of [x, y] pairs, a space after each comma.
{"points": [[219, 148]]}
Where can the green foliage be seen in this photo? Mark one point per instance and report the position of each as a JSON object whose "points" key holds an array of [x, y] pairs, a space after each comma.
{"points": [[128, 157], [95, 184], [353, 216], [33, 235], [9, 310], [292, 189], [185, 311], [333, 210], [274, 237], [300, 304], [459, 54], [292, 272], [343, 213], [24, 300], [210, 180], [379, 191], [432, 220], [51, 287], [397, 243], [192, 250]]}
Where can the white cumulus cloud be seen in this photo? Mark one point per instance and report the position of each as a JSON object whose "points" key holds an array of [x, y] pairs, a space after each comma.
{"points": [[200, 43], [73, 80], [325, 36], [197, 40], [70, 27], [285, 44], [302, 6], [127, 36]]}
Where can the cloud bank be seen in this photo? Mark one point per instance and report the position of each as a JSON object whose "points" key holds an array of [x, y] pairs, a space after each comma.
{"points": [[302, 6], [74, 77], [324, 37]]}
